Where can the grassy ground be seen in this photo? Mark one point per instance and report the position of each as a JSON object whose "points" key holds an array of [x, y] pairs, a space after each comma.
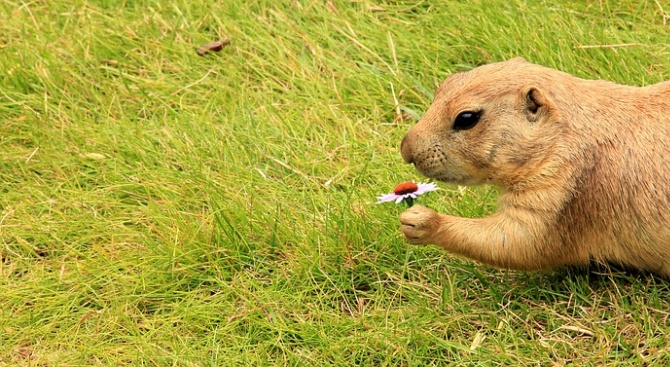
{"points": [[160, 208]]}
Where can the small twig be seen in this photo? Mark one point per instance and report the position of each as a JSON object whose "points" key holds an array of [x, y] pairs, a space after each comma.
{"points": [[294, 170], [5, 217], [363, 47], [32, 154], [665, 15], [393, 52], [577, 329], [609, 46], [398, 113], [32, 17], [192, 84]]}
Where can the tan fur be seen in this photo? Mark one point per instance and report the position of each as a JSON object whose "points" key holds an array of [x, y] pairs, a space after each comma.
{"points": [[584, 168]]}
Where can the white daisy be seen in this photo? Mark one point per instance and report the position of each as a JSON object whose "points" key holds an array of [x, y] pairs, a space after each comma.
{"points": [[407, 191]]}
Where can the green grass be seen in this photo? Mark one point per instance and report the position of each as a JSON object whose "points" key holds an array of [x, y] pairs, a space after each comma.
{"points": [[158, 208]]}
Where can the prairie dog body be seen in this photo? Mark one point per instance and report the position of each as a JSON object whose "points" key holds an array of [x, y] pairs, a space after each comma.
{"points": [[584, 167]]}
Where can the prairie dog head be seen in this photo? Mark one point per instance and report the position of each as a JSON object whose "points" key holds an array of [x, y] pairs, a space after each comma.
{"points": [[493, 124]]}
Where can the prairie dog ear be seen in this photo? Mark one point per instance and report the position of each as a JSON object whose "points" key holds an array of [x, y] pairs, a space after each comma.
{"points": [[537, 104]]}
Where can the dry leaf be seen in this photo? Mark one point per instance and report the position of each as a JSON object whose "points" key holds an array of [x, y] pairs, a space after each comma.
{"points": [[215, 46]]}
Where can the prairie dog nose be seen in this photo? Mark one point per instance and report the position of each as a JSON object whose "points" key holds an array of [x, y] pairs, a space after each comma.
{"points": [[406, 149]]}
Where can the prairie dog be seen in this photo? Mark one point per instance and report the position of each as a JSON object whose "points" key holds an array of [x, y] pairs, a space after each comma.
{"points": [[584, 168]]}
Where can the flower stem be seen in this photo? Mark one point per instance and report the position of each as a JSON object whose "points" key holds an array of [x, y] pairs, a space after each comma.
{"points": [[409, 202]]}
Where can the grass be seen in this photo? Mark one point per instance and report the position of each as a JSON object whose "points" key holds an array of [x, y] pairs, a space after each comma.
{"points": [[159, 208]]}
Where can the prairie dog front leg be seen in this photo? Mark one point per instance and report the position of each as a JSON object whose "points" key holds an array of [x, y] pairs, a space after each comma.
{"points": [[502, 240]]}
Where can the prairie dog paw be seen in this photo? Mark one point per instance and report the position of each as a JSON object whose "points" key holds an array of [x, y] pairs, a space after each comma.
{"points": [[419, 224]]}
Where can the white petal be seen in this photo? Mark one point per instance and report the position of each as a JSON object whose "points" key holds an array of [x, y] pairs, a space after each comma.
{"points": [[425, 187], [386, 198]]}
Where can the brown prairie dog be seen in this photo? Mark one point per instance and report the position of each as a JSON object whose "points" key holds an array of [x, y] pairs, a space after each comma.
{"points": [[584, 167]]}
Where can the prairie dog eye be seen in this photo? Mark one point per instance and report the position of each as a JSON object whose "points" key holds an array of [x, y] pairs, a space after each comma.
{"points": [[466, 120]]}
